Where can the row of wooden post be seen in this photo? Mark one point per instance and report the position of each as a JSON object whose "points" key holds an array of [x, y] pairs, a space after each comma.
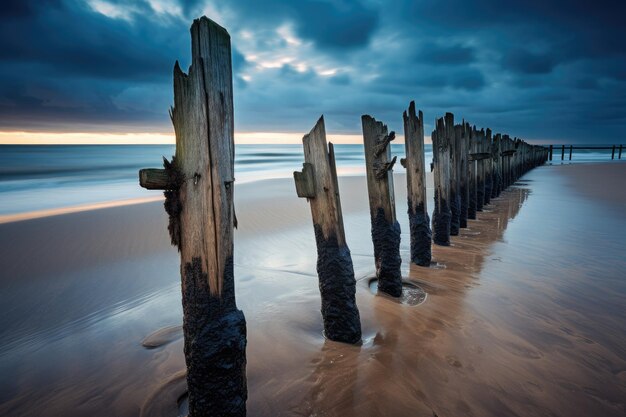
{"points": [[470, 168]]}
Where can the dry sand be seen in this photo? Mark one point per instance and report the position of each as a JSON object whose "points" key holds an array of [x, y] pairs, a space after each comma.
{"points": [[524, 314]]}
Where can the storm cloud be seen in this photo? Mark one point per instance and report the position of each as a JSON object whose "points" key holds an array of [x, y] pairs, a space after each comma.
{"points": [[549, 70]]}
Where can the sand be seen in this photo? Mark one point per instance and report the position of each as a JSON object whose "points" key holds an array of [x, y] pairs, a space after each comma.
{"points": [[524, 314]]}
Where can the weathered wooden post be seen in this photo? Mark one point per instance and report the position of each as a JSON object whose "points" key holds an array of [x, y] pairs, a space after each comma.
{"points": [[613, 153], [455, 157], [620, 152], [419, 222], [459, 133], [480, 170], [571, 147], [317, 182], [487, 162], [385, 227], [495, 162], [470, 138], [199, 200], [441, 159], [563, 152], [550, 152]]}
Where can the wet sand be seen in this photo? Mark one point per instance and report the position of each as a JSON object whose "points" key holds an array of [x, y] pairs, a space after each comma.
{"points": [[524, 314]]}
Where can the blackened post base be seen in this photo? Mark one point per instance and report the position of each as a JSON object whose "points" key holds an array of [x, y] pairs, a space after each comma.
{"points": [[338, 290], [441, 222], [386, 239], [464, 207], [488, 186], [421, 236], [480, 195], [455, 214], [215, 345]]}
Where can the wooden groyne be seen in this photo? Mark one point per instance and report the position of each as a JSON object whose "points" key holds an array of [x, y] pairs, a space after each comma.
{"points": [[570, 150], [471, 167]]}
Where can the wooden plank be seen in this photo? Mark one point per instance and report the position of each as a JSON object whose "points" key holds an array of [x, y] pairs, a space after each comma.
{"points": [[385, 228], [419, 221], [334, 263]]}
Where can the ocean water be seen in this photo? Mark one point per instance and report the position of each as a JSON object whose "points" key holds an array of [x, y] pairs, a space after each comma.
{"points": [[45, 177]]}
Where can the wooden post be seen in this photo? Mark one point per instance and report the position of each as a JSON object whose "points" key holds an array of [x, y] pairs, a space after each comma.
{"points": [[470, 138], [495, 161], [550, 152], [455, 157], [459, 133], [318, 184], [613, 153], [563, 153], [620, 152], [199, 201], [487, 163], [571, 147], [480, 171], [441, 159], [385, 227], [419, 222]]}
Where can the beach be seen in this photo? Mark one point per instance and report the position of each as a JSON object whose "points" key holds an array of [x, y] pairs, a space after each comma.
{"points": [[524, 313]]}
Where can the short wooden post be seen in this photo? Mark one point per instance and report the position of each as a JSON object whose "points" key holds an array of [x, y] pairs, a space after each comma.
{"points": [[470, 138], [199, 201], [620, 152], [571, 147], [613, 153], [419, 222], [563, 153], [459, 133], [551, 152], [317, 182], [441, 159], [385, 227], [455, 157]]}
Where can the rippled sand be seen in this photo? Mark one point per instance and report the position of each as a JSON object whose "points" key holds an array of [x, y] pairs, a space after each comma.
{"points": [[524, 314]]}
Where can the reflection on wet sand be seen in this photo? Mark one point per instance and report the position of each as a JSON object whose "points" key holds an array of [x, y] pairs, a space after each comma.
{"points": [[524, 314]]}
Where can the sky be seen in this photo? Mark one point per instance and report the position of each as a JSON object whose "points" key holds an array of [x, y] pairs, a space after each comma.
{"points": [[545, 71]]}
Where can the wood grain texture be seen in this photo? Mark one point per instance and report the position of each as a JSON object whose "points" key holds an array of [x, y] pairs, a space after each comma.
{"points": [[378, 164]]}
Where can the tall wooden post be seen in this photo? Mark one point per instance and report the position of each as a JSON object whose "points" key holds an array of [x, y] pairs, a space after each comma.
{"points": [[495, 162], [385, 227], [317, 182], [620, 152], [480, 170], [551, 147], [455, 156], [419, 222], [459, 133], [613, 153], [571, 147], [563, 152], [488, 166], [441, 159], [470, 138], [199, 201]]}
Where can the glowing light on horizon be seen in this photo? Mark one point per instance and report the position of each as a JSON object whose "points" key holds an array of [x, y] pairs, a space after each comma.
{"points": [[90, 138]]}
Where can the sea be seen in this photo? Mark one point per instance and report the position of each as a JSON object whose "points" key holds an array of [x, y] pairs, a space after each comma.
{"points": [[44, 177]]}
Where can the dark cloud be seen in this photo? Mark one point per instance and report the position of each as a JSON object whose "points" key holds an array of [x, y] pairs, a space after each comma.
{"points": [[549, 69]]}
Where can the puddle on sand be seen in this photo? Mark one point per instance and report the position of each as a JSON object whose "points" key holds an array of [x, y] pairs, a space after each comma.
{"points": [[412, 294]]}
